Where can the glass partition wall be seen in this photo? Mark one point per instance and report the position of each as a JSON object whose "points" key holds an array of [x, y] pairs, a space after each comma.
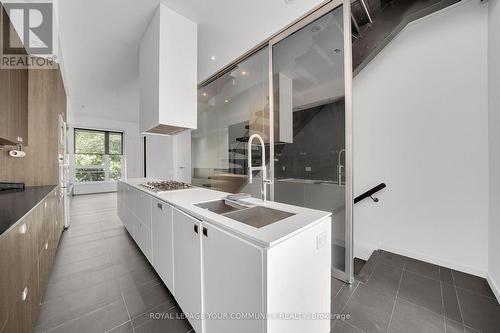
{"points": [[293, 93], [231, 109]]}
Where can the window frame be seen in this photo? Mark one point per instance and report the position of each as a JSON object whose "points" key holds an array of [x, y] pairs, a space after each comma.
{"points": [[106, 155]]}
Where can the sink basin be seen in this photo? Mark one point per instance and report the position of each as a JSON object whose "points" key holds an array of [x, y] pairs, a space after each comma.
{"points": [[258, 216], [220, 206]]}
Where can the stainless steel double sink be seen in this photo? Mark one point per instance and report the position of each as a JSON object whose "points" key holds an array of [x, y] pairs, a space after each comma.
{"points": [[255, 216]]}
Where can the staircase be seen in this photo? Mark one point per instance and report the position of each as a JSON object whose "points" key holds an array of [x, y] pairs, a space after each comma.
{"points": [[376, 22]]}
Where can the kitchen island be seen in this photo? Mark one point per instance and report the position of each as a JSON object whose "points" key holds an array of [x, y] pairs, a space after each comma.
{"points": [[227, 271]]}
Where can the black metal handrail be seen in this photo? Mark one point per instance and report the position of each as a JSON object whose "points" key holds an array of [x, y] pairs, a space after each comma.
{"points": [[370, 193]]}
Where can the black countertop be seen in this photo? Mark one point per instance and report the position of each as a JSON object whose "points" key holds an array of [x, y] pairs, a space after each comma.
{"points": [[15, 204]]}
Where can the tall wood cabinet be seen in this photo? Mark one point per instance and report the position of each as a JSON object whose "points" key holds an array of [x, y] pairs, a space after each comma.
{"points": [[27, 251], [14, 96]]}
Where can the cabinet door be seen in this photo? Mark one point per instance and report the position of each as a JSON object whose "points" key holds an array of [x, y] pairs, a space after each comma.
{"points": [[4, 102], [18, 124], [44, 265], [141, 206], [19, 320], [19, 285], [5, 278], [59, 204], [232, 281], [22, 248], [125, 210], [143, 239], [119, 199], [187, 265], [163, 242]]}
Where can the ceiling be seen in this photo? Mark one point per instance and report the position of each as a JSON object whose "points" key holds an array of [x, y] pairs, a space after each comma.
{"points": [[312, 58], [100, 42]]}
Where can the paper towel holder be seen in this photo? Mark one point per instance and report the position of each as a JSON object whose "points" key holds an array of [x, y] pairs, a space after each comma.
{"points": [[19, 153]]}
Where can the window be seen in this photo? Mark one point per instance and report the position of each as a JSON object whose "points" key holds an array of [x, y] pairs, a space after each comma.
{"points": [[98, 155]]}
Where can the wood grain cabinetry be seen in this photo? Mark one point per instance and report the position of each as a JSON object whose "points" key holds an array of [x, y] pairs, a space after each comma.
{"points": [[31, 101], [4, 102], [47, 100], [17, 130], [27, 251], [14, 96]]}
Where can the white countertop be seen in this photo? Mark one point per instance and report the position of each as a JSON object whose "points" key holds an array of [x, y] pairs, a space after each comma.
{"points": [[266, 236]]}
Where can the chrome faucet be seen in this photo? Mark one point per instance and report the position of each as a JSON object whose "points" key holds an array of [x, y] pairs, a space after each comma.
{"points": [[340, 168], [251, 169]]}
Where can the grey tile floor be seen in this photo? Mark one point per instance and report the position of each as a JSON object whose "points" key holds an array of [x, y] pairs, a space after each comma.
{"points": [[393, 293], [101, 282]]}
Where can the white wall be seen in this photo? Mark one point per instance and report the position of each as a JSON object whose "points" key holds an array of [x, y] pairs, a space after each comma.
{"points": [[169, 157], [132, 148], [494, 133], [159, 157], [182, 156], [233, 30], [421, 126]]}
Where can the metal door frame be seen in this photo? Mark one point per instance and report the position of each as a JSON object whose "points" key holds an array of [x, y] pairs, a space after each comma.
{"points": [[348, 274], [315, 13]]}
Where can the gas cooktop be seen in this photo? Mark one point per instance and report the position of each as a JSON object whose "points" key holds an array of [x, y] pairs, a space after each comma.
{"points": [[166, 185]]}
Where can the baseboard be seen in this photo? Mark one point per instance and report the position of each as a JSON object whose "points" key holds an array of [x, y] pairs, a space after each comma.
{"points": [[493, 286], [363, 251], [436, 261], [94, 187]]}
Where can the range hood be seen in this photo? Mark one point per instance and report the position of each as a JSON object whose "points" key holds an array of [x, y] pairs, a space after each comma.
{"points": [[168, 74]]}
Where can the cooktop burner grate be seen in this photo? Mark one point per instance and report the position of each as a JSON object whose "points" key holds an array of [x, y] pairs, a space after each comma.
{"points": [[167, 185]]}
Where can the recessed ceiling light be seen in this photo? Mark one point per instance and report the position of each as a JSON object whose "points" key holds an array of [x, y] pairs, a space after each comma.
{"points": [[204, 94], [212, 58], [316, 28], [243, 73], [226, 101]]}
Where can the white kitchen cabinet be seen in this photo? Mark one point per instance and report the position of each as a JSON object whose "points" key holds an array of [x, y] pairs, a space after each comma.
{"points": [[123, 204], [136, 216], [119, 199], [232, 281], [143, 237], [141, 206], [163, 242], [211, 270], [168, 74], [298, 280], [187, 266]]}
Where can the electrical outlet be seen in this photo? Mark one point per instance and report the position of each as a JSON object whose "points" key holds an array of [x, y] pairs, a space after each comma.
{"points": [[321, 240], [308, 169]]}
